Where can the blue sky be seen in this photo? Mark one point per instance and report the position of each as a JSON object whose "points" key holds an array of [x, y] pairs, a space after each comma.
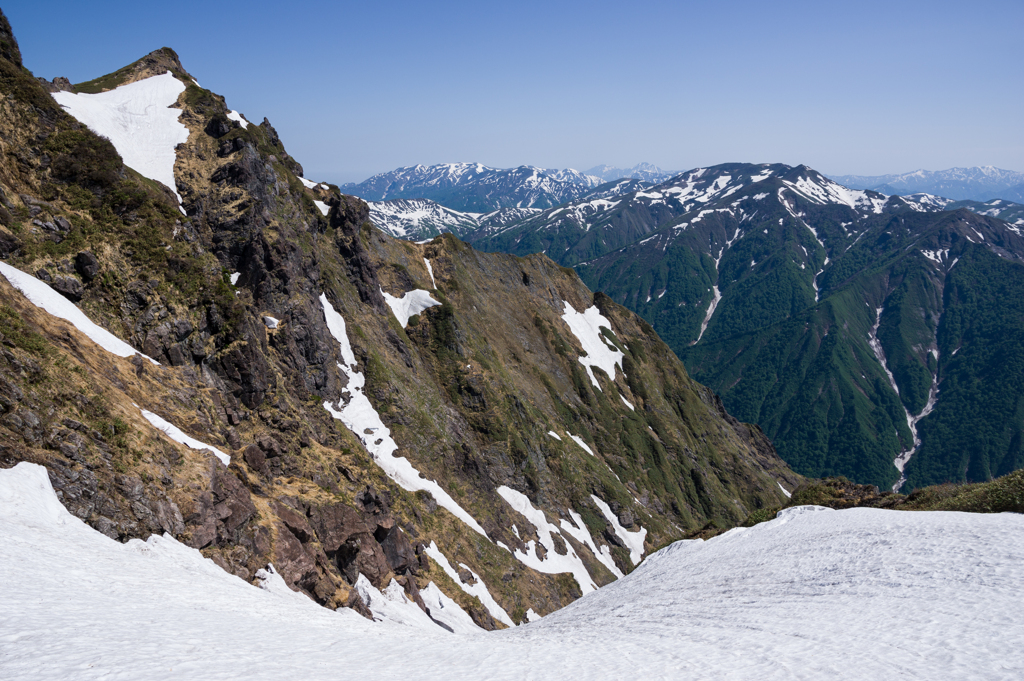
{"points": [[360, 88]]}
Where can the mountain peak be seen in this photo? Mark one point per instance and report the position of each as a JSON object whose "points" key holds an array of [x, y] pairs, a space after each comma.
{"points": [[155, 63]]}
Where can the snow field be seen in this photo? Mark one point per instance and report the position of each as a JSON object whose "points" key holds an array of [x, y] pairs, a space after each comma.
{"points": [[45, 298], [362, 419], [586, 326], [138, 121], [409, 304], [814, 594]]}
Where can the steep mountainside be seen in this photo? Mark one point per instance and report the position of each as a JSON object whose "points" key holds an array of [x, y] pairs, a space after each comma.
{"points": [[363, 412], [474, 188], [975, 184], [836, 319]]}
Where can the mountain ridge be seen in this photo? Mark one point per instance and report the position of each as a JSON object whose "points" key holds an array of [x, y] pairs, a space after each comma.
{"points": [[383, 407]]}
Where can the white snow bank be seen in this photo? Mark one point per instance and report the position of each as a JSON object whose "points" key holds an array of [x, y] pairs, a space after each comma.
{"points": [[788, 494], [479, 589], [409, 304], [234, 277], [392, 605], [627, 402], [361, 418], [586, 326], [554, 435], [269, 579], [235, 116], [307, 184], [322, 207], [45, 298], [855, 594], [552, 563], [446, 611], [177, 435], [139, 122], [634, 541]]}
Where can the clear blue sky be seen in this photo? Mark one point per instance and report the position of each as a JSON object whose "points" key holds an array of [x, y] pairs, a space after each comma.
{"points": [[360, 88]]}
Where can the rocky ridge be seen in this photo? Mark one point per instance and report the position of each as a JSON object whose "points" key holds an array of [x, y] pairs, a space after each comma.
{"points": [[483, 392]]}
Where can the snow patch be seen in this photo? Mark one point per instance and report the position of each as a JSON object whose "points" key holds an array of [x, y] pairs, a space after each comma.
{"points": [[634, 541], [322, 207], [479, 589], [409, 304], [430, 271], [235, 116], [586, 326], [552, 563], [177, 435], [138, 121], [554, 435], [446, 611]]}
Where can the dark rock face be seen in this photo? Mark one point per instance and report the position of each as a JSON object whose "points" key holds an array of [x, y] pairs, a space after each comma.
{"points": [[219, 514], [87, 265], [69, 287]]}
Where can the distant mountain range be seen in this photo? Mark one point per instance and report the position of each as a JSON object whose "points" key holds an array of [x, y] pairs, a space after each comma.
{"points": [[829, 316], [977, 184], [641, 171], [475, 188]]}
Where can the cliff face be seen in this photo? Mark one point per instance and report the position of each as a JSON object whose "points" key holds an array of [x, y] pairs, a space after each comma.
{"points": [[460, 439]]}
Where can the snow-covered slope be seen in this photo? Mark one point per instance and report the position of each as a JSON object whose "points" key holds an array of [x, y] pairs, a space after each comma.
{"points": [[138, 120], [814, 594]]}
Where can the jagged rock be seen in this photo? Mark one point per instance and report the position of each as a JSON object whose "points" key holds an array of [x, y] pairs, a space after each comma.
{"points": [[69, 287], [294, 521], [399, 552], [87, 265], [293, 562], [349, 541], [9, 244]]}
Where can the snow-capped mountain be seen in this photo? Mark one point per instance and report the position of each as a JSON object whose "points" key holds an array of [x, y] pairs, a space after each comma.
{"points": [[975, 184], [735, 264], [474, 188], [418, 219], [647, 172]]}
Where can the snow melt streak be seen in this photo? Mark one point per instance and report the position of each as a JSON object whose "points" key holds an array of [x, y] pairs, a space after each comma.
{"points": [[361, 418]]}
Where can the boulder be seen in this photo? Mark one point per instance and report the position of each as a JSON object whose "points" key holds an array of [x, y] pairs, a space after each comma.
{"points": [[69, 287], [86, 264]]}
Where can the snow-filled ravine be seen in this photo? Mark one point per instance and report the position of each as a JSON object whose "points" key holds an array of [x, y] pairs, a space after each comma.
{"points": [[814, 594], [139, 122]]}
